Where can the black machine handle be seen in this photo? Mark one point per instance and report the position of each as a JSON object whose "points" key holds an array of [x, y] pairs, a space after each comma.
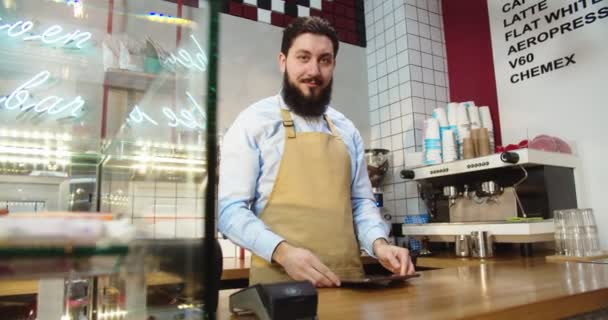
{"points": [[509, 157], [407, 174]]}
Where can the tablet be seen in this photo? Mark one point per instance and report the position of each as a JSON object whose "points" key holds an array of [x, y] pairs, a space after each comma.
{"points": [[378, 280]]}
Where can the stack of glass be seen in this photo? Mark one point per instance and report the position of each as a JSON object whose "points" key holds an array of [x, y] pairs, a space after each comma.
{"points": [[576, 233]]}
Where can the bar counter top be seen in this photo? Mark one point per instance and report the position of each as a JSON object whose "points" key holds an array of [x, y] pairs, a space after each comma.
{"points": [[526, 288], [235, 268]]}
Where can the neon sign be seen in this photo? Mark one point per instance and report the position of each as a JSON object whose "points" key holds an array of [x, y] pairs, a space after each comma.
{"points": [[51, 36], [185, 118], [51, 105], [138, 116], [184, 58]]}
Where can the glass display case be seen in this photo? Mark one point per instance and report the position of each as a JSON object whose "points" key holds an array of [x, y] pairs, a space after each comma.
{"points": [[107, 112]]}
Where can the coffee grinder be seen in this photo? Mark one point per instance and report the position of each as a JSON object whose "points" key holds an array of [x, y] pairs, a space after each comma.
{"points": [[377, 167]]}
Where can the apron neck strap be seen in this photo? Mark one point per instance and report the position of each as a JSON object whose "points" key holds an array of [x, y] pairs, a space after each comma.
{"points": [[290, 130], [332, 127]]}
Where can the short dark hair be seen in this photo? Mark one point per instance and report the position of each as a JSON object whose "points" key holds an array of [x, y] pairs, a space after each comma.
{"points": [[314, 25]]}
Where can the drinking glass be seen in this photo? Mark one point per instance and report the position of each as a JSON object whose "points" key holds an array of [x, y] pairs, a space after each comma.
{"points": [[591, 239], [575, 233], [560, 231]]}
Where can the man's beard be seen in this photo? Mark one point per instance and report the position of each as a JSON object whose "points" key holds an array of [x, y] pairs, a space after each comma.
{"points": [[306, 106]]}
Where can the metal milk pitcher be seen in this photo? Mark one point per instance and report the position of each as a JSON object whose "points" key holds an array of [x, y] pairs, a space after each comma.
{"points": [[461, 245], [481, 244]]}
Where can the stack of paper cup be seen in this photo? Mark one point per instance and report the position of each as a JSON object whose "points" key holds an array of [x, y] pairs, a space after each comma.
{"points": [[449, 147], [483, 143], [486, 122], [442, 118], [432, 142], [452, 111], [474, 117], [468, 103], [463, 126]]}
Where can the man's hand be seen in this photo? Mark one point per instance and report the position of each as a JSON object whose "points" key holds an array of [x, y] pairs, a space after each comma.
{"points": [[393, 258], [302, 264]]}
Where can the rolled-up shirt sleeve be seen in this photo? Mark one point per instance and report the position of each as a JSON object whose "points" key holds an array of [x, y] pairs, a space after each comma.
{"points": [[368, 221], [239, 170]]}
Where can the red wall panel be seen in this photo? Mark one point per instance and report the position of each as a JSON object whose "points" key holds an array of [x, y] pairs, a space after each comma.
{"points": [[469, 55]]}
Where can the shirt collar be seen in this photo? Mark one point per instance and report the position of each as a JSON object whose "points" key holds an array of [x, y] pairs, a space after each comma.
{"points": [[282, 104]]}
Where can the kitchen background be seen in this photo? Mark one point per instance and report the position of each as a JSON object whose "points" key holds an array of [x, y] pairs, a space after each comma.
{"points": [[394, 67]]}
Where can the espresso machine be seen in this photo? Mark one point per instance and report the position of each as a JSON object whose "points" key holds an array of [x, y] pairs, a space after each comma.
{"points": [[511, 194], [377, 167]]}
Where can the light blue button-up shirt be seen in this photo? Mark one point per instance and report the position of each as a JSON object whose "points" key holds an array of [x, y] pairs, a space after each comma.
{"points": [[250, 156]]}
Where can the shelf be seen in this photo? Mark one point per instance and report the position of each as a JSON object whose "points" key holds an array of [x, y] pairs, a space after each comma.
{"points": [[502, 231], [50, 264], [64, 251], [527, 157]]}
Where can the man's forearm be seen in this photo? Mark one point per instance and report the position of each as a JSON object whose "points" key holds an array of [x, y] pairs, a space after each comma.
{"points": [[279, 252], [245, 229], [378, 243]]}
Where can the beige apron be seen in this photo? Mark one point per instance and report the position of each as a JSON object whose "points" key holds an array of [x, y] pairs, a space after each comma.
{"points": [[310, 204]]}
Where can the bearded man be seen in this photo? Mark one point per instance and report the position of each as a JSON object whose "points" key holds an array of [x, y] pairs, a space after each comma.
{"points": [[294, 188]]}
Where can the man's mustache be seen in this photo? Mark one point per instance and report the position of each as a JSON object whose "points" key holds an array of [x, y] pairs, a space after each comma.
{"points": [[315, 80]]}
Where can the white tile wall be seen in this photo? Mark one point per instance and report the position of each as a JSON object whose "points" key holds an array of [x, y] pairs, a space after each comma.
{"points": [[415, 57], [143, 207], [416, 71], [145, 226], [164, 228], [278, 5], [405, 91], [164, 207], [143, 188], [422, 4], [198, 225], [407, 80], [418, 104], [186, 228], [397, 140], [407, 122], [417, 87], [186, 208], [159, 209], [424, 30], [395, 127], [166, 189], [303, 11], [413, 42], [427, 59], [404, 73], [189, 190], [393, 79], [395, 111]]}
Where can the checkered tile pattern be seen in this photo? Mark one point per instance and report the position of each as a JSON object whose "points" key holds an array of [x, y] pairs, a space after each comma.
{"points": [[347, 16], [407, 74]]}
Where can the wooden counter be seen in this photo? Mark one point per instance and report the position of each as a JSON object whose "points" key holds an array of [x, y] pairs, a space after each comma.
{"points": [[238, 269], [235, 268], [497, 288], [528, 289]]}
